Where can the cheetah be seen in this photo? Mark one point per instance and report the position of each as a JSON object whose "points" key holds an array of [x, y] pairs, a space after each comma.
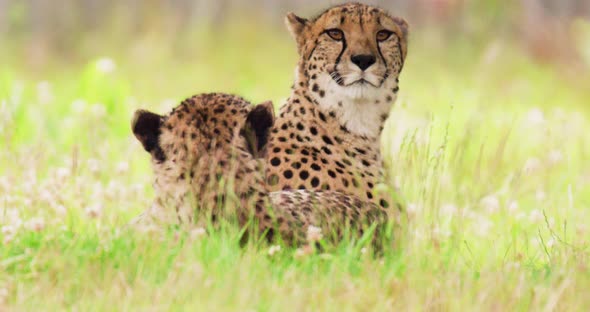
{"points": [[206, 158], [327, 134]]}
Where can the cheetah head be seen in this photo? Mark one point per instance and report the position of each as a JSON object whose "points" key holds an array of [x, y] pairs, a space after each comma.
{"points": [[350, 59], [199, 140]]}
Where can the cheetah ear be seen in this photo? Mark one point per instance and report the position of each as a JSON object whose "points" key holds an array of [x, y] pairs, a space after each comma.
{"points": [[257, 128], [402, 24], [146, 128], [296, 26]]}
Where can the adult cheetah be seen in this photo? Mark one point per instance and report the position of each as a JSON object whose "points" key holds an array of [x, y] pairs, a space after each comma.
{"points": [[327, 135], [204, 156]]}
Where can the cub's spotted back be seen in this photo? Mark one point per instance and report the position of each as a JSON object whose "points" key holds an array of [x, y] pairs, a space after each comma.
{"points": [[204, 157]]}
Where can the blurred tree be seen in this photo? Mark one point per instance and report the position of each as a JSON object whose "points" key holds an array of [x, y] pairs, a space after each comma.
{"points": [[3, 15], [542, 25]]}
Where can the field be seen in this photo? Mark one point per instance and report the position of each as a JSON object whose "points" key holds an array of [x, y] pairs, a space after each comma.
{"points": [[490, 149]]}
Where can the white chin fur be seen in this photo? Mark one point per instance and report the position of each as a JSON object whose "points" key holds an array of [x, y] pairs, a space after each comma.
{"points": [[358, 92], [362, 104]]}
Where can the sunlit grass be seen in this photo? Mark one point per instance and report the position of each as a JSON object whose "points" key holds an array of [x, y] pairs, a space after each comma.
{"points": [[489, 149]]}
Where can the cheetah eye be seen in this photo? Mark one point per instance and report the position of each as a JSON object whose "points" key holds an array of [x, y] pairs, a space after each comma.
{"points": [[383, 35], [335, 34]]}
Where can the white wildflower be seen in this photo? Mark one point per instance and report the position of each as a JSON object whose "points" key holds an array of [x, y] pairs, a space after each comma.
{"points": [[448, 209], [413, 208], [122, 167], [44, 94], [491, 203], [98, 191], [441, 233], [303, 251], [273, 250], [106, 65], [4, 183], [512, 207], [540, 195], [13, 218], [62, 173], [35, 225], [78, 106], [555, 157], [532, 165], [536, 216], [98, 110], [112, 190], [535, 117], [93, 165], [513, 265], [60, 209], [314, 234], [3, 294], [198, 233], [94, 211], [46, 196], [483, 227], [7, 239], [9, 230]]}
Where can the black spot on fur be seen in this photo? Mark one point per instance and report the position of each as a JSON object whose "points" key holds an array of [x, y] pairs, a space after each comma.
{"points": [[345, 182], [275, 161]]}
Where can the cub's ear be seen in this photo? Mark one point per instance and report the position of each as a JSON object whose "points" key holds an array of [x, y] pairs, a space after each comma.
{"points": [[296, 26], [257, 128], [146, 128]]}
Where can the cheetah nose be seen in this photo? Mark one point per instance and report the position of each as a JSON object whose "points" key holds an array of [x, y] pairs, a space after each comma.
{"points": [[363, 61]]}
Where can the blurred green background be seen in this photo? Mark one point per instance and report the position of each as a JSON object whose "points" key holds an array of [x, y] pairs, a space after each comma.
{"points": [[144, 52], [72, 72]]}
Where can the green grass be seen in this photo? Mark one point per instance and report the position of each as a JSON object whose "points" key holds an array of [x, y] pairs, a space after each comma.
{"points": [[490, 150]]}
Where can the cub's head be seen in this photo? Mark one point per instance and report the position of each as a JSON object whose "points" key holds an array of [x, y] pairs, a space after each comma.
{"points": [[352, 53], [198, 138]]}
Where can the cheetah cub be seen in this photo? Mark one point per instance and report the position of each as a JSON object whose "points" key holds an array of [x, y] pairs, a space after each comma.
{"points": [[204, 155]]}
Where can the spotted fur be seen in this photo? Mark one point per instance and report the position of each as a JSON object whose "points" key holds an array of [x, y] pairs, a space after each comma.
{"points": [[327, 136], [204, 157]]}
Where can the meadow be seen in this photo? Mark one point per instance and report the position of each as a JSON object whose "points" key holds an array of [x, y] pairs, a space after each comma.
{"points": [[490, 149]]}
